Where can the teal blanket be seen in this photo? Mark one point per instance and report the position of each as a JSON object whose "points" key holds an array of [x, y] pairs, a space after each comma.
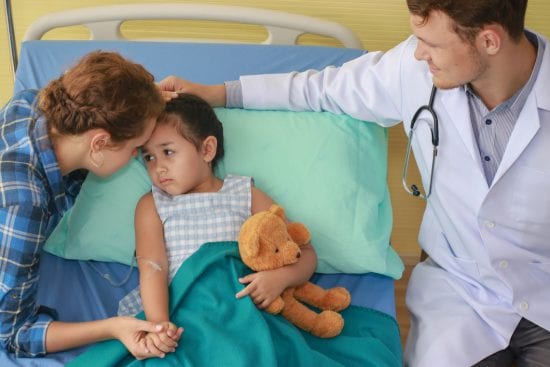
{"points": [[221, 330]]}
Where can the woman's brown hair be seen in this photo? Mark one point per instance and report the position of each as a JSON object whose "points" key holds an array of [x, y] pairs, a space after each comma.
{"points": [[471, 15], [103, 90]]}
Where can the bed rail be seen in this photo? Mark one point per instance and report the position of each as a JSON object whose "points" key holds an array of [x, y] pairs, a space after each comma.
{"points": [[104, 22]]}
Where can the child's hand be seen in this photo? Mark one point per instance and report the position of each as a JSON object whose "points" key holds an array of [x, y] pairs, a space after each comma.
{"points": [[264, 287], [165, 341]]}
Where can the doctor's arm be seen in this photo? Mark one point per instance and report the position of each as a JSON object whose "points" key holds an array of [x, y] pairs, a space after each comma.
{"points": [[368, 88]]}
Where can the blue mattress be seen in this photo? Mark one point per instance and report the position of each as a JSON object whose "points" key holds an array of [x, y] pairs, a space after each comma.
{"points": [[88, 290]]}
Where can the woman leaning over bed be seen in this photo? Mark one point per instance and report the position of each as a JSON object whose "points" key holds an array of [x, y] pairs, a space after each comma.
{"points": [[92, 118]]}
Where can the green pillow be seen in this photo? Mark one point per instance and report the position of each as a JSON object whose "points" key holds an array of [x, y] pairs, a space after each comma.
{"points": [[100, 225], [328, 171]]}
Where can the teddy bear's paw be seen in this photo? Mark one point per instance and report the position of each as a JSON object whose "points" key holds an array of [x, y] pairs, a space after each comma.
{"points": [[336, 299], [328, 324], [276, 306]]}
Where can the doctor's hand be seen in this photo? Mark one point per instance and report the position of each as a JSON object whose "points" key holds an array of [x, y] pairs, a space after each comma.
{"points": [[172, 85]]}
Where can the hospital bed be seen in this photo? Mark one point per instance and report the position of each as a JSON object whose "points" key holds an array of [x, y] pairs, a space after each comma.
{"points": [[88, 289]]}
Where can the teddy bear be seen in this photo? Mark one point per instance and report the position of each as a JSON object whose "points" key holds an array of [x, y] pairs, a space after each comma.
{"points": [[267, 241]]}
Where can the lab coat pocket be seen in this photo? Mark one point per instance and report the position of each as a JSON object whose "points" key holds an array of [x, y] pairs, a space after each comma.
{"points": [[530, 200], [464, 267]]}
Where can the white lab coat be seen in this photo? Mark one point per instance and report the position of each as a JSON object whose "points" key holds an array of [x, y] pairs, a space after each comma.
{"points": [[489, 247]]}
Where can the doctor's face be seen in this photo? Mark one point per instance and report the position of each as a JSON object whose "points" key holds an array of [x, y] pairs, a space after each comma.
{"points": [[452, 61]]}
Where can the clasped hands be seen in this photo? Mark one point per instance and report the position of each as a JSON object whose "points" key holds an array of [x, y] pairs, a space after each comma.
{"points": [[145, 339]]}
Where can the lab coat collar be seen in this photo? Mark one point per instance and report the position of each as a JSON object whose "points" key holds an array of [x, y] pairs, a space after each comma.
{"points": [[455, 102], [542, 85], [528, 121], [526, 127]]}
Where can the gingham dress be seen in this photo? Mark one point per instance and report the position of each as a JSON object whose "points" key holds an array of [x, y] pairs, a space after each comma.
{"points": [[191, 220]]}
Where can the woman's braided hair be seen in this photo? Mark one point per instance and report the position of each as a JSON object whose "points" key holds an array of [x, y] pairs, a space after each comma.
{"points": [[103, 90]]}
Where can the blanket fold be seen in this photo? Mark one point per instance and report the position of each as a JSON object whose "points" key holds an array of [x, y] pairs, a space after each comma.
{"points": [[221, 330]]}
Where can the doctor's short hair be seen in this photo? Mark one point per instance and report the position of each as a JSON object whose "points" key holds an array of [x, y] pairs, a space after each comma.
{"points": [[470, 16], [195, 120]]}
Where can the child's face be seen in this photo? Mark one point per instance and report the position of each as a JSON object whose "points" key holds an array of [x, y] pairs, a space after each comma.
{"points": [[174, 164]]}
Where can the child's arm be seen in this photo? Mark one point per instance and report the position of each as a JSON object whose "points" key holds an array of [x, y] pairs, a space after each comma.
{"points": [[153, 276], [152, 260], [265, 286]]}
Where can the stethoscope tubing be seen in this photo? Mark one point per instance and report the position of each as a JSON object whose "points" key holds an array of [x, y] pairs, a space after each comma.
{"points": [[413, 189]]}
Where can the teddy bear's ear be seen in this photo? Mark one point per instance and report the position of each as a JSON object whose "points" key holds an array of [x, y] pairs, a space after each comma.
{"points": [[299, 233], [249, 244], [251, 248], [278, 211]]}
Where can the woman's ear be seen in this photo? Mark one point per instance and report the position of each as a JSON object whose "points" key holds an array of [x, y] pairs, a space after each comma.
{"points": [[209, 148], [99, 139]]}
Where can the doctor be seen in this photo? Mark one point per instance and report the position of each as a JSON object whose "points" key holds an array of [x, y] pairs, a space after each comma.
{"points": [[483, 296]]}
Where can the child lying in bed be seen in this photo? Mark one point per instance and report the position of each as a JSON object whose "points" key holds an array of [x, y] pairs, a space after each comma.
{"points": [[189, 206]]}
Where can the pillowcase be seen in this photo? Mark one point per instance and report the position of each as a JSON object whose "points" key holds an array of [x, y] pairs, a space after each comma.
{"points": [[328, 171], [100, 225]]}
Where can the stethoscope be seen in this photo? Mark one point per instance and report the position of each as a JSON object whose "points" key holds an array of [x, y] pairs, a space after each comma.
{"points": [[413, 190]]}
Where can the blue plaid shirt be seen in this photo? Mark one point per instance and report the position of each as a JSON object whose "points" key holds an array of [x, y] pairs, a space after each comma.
{"points": [[33, 197]]}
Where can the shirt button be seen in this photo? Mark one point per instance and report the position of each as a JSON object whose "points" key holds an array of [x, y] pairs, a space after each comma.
{"points": [[487, 158], [524, 306], [488, 122], [503, 264], [489, 224]]}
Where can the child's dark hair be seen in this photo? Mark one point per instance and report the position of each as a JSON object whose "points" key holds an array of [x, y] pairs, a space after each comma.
{"points": [[196, 121]]}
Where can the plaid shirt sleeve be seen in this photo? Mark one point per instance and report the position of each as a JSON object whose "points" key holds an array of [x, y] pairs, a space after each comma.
{"points": [[22, 329], [24, 222]]}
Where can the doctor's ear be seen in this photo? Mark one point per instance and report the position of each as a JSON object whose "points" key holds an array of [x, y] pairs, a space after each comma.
{"points": [[209, 148], [490, 39]]}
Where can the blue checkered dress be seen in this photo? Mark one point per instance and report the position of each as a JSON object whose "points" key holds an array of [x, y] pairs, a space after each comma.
{"points": [[191, 220], [33, 196]]}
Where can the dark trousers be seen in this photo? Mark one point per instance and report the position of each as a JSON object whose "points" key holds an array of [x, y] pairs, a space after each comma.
{"points": [[529, 347]]}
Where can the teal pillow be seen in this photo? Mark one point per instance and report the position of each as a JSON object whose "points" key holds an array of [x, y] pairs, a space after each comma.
{"points": [[100, 225], [328, 171]]}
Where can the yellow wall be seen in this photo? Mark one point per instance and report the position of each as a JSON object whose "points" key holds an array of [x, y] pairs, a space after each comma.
{"points": [[379, 24]]}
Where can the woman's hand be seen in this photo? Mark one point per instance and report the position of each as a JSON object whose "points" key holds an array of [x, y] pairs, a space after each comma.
{"points": [[133, 332], [172, 85]]}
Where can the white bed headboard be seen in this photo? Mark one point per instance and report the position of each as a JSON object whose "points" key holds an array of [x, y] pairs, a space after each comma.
{"points": [[104, 22]]}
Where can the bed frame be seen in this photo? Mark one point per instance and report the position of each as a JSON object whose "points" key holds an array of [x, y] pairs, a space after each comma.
{"points": [[104, 24]]}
